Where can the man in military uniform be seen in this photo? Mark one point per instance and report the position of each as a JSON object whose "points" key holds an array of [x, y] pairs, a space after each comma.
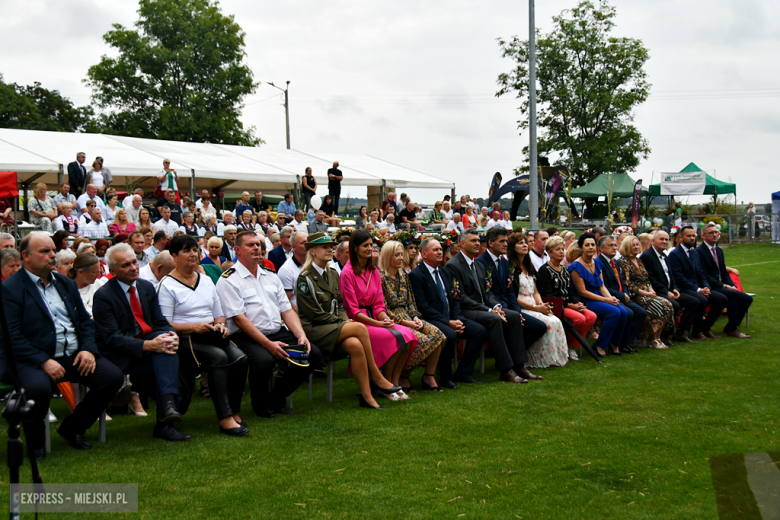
{"points": [[255, 305]]}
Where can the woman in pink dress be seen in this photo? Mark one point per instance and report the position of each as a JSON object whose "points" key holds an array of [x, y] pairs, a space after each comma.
{"points": [[364, 302]]}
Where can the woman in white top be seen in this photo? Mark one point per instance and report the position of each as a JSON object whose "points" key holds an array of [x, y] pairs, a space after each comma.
{"points": [[97, 176], [86, 272], [189, 301], [446, 211], [207, 210], [217, 228]]}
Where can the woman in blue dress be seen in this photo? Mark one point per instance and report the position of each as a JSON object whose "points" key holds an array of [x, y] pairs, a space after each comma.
{"points": [[587, 279]]}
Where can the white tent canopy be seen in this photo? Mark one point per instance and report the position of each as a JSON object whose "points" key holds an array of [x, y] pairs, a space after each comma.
{"points": [[39, 156]]}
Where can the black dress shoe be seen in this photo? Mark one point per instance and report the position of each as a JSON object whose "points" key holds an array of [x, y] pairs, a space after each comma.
{"points": [[283, 411], [683, 338], [627, 350], [76, 440], [40, 454], [266, 413], [466, 379], [240, 431], [364, 404], [448, 384], [167, 432], [170, 414]]}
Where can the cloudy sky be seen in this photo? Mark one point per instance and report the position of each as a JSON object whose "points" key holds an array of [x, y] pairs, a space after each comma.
{"points": [[413, 82]]}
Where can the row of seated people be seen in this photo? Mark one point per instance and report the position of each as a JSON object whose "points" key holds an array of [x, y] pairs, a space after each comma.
{"points": [[386, 320]]}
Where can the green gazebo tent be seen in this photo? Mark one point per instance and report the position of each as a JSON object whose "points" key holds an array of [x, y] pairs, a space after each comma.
{"points": [[622, 187], [713, 186]]}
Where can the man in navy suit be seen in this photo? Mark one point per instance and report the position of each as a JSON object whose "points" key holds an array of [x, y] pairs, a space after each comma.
{"points": [[714, 266], [433, 292], [77, 175], [616, 285], [498, 267], [53, 340], [284, 251], [133, 333], [690, 278]]}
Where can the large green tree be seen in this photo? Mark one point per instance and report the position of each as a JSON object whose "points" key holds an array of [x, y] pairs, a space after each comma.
{"points": [[589, 83], [33, 107], [179, 75]]}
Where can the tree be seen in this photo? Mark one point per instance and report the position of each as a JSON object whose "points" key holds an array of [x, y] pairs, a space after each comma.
{"points": [[179, 75], [589, 82], [36, 108]]}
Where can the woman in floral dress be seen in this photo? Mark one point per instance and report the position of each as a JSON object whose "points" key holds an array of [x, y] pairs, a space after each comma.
{"points": [[402, 309], [551, 349]]}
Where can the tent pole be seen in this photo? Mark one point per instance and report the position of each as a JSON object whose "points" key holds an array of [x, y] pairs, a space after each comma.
{"points": [[383, 192], [60, 176], [192, 185]]}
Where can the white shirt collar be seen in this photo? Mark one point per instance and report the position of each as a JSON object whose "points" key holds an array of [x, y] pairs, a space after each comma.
{"points": [[658, 254], [494, 257], [242, 270], [125, 287], [469, 261], [317, 268], [430, 269]]}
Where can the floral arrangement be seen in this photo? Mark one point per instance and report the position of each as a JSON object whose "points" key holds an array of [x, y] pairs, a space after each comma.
{"points": [[489, 280], [407, 237], [455, 289], [674, 230], [346, 231], [622, 229], [509, 281]]}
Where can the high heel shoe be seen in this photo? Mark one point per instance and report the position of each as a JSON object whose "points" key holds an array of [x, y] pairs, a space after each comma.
{"points": [[142, 413], [364, 404], [426, 386], [387, 391]]}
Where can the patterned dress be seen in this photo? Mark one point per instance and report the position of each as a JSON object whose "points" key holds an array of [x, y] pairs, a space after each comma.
{"points": [[552, 348], [400, 305], [42, 206], [660, 312]]}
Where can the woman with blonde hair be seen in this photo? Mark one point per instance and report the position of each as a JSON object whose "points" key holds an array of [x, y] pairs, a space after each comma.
{"points": [[660, 312], [645, 239], [325, 321], [568, 238], [42, 209], [121, 223], [215, 249], [97, 177], [401, 307], [411, 250], [573, 252], [446, 211], [469, 219]]}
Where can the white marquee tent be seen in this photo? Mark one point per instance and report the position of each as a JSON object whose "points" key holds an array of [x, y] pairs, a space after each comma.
{"points": [[39, 156]]}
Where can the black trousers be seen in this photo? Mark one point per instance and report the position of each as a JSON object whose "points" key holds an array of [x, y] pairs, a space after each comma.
{"points": [[336, 194], [504, 338], [103, 385], [225, 365], [636, 317], [737, 304], [689, 306], [261, 367], [717, 302], [475, 336]]}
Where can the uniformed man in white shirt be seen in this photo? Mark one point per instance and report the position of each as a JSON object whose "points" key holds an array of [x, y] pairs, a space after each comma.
{"points": [[255, 305]]}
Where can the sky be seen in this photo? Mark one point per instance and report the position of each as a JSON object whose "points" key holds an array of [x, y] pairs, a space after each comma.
{"points": [[413, 82]]}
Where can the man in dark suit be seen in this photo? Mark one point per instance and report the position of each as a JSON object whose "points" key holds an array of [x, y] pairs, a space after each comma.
{"points": [[688, 274], [53, 340], [77, 174], [615, 281], [498, 267], [132, 332], [713, 264], [284, 251], [229, 242], [662, 280], [433, 292], [504, 326]]}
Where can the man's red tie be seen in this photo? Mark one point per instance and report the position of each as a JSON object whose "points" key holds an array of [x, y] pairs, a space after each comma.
{"points": [[138, 314], [617, 274]]}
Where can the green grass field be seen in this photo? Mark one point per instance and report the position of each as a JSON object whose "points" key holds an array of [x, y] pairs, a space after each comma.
{"points": [[629, 440]]}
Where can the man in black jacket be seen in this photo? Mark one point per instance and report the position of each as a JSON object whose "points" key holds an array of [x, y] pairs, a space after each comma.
{"points": [[53, 340], [662, 280], [615, 282], [133, 333], [713, 264], [334, 184], [77, 175], [504, 326], [439, 306]]}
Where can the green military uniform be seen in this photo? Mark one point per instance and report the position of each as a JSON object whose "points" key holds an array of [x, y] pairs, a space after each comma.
{"points": [[320, 308]]}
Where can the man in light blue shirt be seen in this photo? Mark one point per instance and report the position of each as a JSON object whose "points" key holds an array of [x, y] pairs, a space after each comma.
{"points": [[287, 206]]}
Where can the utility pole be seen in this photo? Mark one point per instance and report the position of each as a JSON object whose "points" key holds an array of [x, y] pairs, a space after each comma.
{"points": [[286, 108], [533, 174]]}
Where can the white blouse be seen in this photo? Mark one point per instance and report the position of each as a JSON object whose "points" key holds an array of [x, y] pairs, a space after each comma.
{"points": [[88, 293], [447, 215], [181, 303]]}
